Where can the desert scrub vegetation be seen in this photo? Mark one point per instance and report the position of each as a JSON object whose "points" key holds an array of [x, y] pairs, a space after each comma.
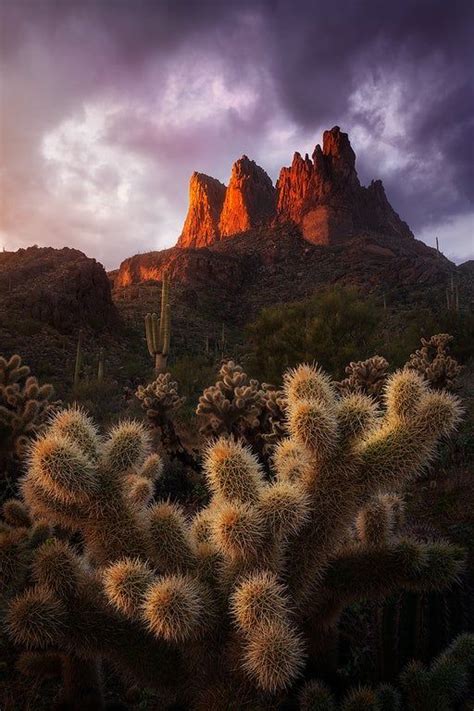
{"points": [[440, 686], [240, 406], [234, 606], [339, 325], [332, 327]]}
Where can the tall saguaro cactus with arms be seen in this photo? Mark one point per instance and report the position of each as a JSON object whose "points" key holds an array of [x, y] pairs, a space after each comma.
{"points": [[158, 330]]}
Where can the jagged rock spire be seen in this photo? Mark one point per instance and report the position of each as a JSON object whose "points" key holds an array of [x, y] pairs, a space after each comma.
{"points": [[322, 195], [206, 198]]}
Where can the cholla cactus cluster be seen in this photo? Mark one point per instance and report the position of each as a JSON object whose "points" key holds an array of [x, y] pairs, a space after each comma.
{"points": [[238, 405], [24, 407], [434, 363], [422, 689], [161, 402], [232, 405], [365, 376], [160, 399], [223, 610]]}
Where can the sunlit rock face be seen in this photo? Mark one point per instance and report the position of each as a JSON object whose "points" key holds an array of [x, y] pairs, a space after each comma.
{"points": [[322, 195], [293, 187], [249, 199], [206, 198], [325, 198]]}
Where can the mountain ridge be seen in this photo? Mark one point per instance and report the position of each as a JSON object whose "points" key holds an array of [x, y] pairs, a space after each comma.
{"points": [[322, 195]]}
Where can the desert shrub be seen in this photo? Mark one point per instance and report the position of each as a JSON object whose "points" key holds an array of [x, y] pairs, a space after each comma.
{"points": [[193, 373], [333, 327], [225, 609], [102, 400], [440, 686], [338, 325], [407, 328]]}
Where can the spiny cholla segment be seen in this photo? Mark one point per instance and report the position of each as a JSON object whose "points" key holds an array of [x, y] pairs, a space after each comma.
{"points": [[237, 582], [365, 376]]}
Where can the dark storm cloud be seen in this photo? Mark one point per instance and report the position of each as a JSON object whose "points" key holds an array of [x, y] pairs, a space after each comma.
{"points": [[321, 55], [396, 75]]}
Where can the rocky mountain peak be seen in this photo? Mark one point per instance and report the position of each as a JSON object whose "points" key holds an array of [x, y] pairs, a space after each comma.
{"points": [[322, 195], [338, 152]]}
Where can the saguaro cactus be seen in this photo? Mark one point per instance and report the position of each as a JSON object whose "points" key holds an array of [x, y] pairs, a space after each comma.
{"points": [[100, 366], [158, 331], [452, 296], [78, 363]]}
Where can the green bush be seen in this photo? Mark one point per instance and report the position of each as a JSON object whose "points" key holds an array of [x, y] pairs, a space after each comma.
{"points": [[333, 327], [193, 374]]}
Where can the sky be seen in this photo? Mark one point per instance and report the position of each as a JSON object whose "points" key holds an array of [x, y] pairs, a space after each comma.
{"points": [[108, 106]]}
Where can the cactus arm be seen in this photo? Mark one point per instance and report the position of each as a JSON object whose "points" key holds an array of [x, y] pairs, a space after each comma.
{"points": [[166, 331], [78, 619], [163, 311], [155, 332], [150, 341], [365, 573]]}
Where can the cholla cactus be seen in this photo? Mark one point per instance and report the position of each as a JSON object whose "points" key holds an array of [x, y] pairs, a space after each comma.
{"points": [[24, 408], [225, 609], [238, 405], [273, 416], [160, 399], [434, 363], [445, 682], [422, 689], [365, 376], [232, 405]]}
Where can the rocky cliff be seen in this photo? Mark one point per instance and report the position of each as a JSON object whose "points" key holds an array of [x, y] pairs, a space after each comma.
{"points": [[46, 296], [206, 198], [322, 195], [59, 287], [249, 199]]}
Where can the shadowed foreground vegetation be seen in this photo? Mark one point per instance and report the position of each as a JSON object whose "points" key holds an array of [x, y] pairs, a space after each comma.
{"points": [[238, 601]]}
